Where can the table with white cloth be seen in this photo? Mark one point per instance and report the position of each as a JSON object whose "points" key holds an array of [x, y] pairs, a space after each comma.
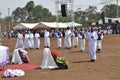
{"points": [[4, 55]]}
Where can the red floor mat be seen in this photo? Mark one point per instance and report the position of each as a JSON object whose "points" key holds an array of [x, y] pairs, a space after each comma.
{"points": [[21, 66]]}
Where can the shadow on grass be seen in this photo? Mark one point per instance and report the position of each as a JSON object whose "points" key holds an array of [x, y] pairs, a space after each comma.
{"points": [[81, 61]]}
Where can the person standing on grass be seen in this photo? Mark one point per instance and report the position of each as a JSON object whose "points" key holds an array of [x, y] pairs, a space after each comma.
{"points": [[82, 37], [59, 38], [26, 41], [31, 39], [92, 44], [99, 40], [46, 39], [75, 37], [19, 43], [37, 40], [67, 40]]}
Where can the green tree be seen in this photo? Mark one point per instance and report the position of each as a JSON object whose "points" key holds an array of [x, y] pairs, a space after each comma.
{"points": [[29, 7], [79, 14], [39, 13], [90, 12], [19, 14], [111, 10]]}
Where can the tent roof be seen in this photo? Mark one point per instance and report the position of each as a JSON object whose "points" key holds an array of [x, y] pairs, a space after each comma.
{"points": [[57, 25], [54, 24], [45, 24], [25, 26], [106, 20]]}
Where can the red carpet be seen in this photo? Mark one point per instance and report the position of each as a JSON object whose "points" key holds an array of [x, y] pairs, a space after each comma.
{"points": [[21, 66]]}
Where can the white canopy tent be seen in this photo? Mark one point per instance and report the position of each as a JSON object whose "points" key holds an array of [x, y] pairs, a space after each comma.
{"points": [[57, 25], [107, 20], [50, 25], [25, 26], [45, 25]]}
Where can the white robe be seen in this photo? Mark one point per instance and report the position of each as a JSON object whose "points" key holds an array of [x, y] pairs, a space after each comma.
{"points": [[37, 40], [48, 61], [16, 59], [31, 40], [92, 44], [59, 40], [75, 40], [19, 43], [46, 39], [67, 39], [99, 43], [82, 42], [26, 41]]}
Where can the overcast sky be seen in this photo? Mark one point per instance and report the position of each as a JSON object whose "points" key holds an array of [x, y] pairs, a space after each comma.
{"points": [[50, 4]]}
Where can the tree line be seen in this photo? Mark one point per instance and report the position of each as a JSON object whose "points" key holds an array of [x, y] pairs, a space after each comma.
{"points": [[36, 13]]}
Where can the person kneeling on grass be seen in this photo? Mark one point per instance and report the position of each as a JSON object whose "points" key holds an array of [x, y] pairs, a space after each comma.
{"points": [[52, 60]]}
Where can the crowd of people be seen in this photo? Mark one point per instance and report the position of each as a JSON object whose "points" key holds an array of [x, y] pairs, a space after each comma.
{"points": [[73, 37], [66, 38]]}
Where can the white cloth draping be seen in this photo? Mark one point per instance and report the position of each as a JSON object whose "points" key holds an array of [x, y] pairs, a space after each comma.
{"points": [[13, 73], [16, 59], [4, 55], [48, 61]]}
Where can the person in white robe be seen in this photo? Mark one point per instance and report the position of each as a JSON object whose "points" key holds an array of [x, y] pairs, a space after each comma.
{"points": [[31, 36], [82, 37], [48, 61], [46, 39], [59, 38], [99, 40], [26, 41], [75, 38], [37, 40], [92, 44], [19, 43], [68, 38]]}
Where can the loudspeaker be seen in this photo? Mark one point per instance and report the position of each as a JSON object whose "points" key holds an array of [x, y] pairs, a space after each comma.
{"points": [[109, 21], [116, 21], [63, 10]]}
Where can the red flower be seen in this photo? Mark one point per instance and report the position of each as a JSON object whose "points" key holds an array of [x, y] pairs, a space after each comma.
{"points": [[55, 53]]}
